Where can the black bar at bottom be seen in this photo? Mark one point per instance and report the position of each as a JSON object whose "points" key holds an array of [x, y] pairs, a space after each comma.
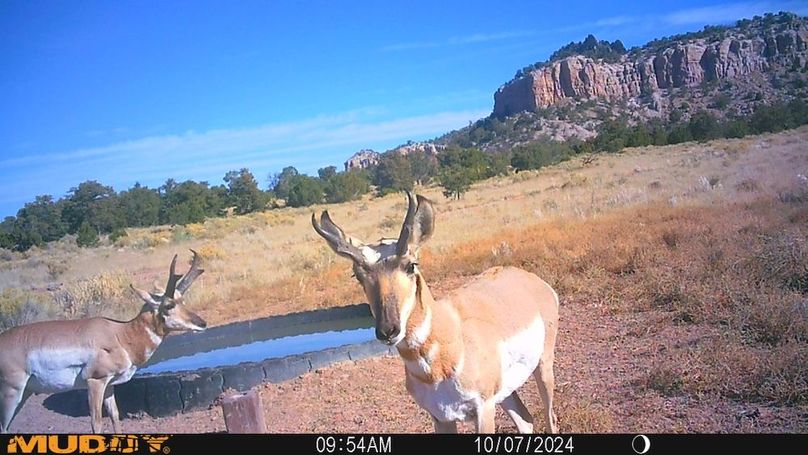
{"points": [[650, 444]]}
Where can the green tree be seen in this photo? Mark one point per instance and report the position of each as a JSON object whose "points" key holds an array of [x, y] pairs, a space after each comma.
{"points": [[703, 126], [477, 162], [346, 186], [393, 173], [304, 191], [736, 128], [539, 154], [281, 182], [94, 203], [140, 206], [243, 192], [612, 136], [455, 180], [639, 136], [327, 172], [7, 240], [678, 134], [39, 222], [659, 135], [87, 235], [499, 164], [189, 202], [423, 166]]}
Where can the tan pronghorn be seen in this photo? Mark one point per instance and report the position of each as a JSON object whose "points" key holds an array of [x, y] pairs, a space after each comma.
{"points": [[93, 353], [469, 351]]}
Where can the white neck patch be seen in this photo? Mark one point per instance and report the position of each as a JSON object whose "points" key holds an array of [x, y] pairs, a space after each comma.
{"points": [[153, 336], [421, 333]]}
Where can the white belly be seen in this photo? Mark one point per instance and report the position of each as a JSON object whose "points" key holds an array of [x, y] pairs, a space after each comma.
{"points": [[446, 401], [519, 356], [54, 370]]}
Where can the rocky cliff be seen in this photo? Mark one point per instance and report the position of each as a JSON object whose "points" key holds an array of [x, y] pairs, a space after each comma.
{"points": [[734, 53], [419, 147], [362, 159]]}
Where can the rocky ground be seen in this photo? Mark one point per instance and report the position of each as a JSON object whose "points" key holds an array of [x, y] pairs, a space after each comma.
{"points": [[601, 362]]}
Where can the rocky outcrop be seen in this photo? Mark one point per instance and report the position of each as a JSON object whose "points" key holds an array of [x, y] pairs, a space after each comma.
{"points": [[645, 73], [420, 147], [362, 159]]}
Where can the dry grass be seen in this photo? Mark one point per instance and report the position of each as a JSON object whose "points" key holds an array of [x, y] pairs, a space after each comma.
{"points": [[709, 240], [260, 259]]}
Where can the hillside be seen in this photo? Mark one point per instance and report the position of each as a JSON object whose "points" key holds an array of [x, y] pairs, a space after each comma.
{"points": [[729, 72], [681, 271]]}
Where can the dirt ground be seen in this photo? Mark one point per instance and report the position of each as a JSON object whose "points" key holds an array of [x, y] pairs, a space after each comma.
{"points": [[600, 360]]}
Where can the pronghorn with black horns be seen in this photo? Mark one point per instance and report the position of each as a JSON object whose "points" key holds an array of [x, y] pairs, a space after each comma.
{"points": [[94, 353], [469, 351]]}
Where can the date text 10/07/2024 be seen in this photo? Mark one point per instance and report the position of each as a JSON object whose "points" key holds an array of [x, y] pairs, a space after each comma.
{"points": [[477, 444]]}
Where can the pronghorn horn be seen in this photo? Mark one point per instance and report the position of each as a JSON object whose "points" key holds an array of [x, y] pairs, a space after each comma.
{"points": [[188, 279], [171, 286], [418, 225], [405, 236], [336, 238]]}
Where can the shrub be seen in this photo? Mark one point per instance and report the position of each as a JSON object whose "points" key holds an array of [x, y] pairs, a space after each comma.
{"points": [[87, 236], [18, 307], [116, 234]]}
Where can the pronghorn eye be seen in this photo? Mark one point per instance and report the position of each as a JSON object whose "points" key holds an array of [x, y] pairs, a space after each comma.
{"points": [[411, 268]]}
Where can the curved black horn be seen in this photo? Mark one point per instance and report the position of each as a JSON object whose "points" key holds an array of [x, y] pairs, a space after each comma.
{"points": [[405, 236], [171, 286], [193, 273], [336, 238]]}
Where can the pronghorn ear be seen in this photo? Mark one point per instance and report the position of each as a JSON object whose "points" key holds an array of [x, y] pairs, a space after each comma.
{"points": [[145, 296], [418, 225]]}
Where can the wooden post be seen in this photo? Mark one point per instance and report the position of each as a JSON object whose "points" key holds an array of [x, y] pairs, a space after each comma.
{"points": [[243, 413]]}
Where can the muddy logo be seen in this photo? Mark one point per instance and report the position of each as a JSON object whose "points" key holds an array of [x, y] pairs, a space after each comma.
{"points": [[87, 444]]}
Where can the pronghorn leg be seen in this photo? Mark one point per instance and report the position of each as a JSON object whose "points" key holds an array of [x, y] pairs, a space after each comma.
{"points": [[112, 408], [485, 417], [12, 398], [546, 382], [25, 396], [517, 411], [444, 427], [95, 395]]}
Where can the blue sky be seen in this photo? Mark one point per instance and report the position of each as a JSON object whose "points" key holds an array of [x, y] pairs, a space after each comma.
{"points": [[130, 91]]}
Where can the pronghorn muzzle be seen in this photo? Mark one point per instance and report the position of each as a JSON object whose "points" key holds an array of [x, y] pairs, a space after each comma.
{"points": [[388, 326]]}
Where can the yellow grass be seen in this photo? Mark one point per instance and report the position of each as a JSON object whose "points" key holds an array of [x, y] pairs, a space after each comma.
{"points": [[273, 262]]}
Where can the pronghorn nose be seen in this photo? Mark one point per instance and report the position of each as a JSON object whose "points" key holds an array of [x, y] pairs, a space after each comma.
{"points": [[199, 322], [387, 333]]}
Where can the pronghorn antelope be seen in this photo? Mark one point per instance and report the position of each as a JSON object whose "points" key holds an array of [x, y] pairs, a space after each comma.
{"points": [[94, 353], [472, 349]]}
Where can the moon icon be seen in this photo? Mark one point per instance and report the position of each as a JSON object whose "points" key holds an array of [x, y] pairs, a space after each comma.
{"points": [[641, 444]]}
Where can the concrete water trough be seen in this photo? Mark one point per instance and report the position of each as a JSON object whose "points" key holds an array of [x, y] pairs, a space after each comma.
{"points": [[190, 371]]}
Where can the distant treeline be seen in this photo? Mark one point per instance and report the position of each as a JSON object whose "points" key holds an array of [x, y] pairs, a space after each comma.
{"points": [[589, 47], [614, 134], [92, 209], [612, 52]]}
